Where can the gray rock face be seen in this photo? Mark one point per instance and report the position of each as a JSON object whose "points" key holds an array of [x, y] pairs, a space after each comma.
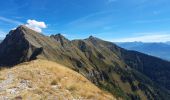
{"points": [[16, 48]]}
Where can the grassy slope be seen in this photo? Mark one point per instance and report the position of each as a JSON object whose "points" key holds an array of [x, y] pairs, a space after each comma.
{"points": [[42, 79], [120, 78]]}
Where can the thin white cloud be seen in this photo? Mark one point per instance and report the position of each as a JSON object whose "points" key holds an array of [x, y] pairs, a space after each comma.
{"points": [[36, 25], [151, 21], [91, 21], [145, 38], [112, 1], [2, 34], [10, 21]]}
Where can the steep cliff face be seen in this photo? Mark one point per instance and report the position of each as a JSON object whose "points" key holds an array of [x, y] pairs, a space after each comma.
{"points": [[16, 48], [123, 73]]}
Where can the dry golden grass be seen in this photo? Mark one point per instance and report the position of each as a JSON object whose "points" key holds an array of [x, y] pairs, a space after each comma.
{"points": [[44, 80]]}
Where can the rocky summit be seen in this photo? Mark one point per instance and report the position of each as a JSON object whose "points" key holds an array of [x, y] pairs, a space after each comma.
{"points": [[127, 75]]}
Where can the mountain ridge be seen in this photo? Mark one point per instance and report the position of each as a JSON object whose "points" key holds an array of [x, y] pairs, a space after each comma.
{"points": [[105, 64]]}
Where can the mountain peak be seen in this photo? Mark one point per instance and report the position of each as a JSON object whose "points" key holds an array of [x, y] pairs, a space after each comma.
{"points": [[91, 37], [23, 27], [17, 33], [26, 29], [20, 45], [60, 38], [21, 30]]}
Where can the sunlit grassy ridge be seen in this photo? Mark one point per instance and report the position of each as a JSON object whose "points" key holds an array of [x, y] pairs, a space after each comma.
{"points": [[42, 79]]}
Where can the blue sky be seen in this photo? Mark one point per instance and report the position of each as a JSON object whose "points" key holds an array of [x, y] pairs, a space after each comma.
{"points": [[112, 20]]}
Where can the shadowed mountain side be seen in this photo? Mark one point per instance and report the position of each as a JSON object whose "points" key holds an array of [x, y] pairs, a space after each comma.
{"points": [[105, 64]]}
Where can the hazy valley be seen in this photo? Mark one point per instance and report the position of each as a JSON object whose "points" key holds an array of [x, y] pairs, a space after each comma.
{"points": [[160, 50]]}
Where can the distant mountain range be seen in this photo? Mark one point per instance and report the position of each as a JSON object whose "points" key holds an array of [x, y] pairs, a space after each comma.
{"points": [[128, 75], [168, 42], [161, 50]]}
